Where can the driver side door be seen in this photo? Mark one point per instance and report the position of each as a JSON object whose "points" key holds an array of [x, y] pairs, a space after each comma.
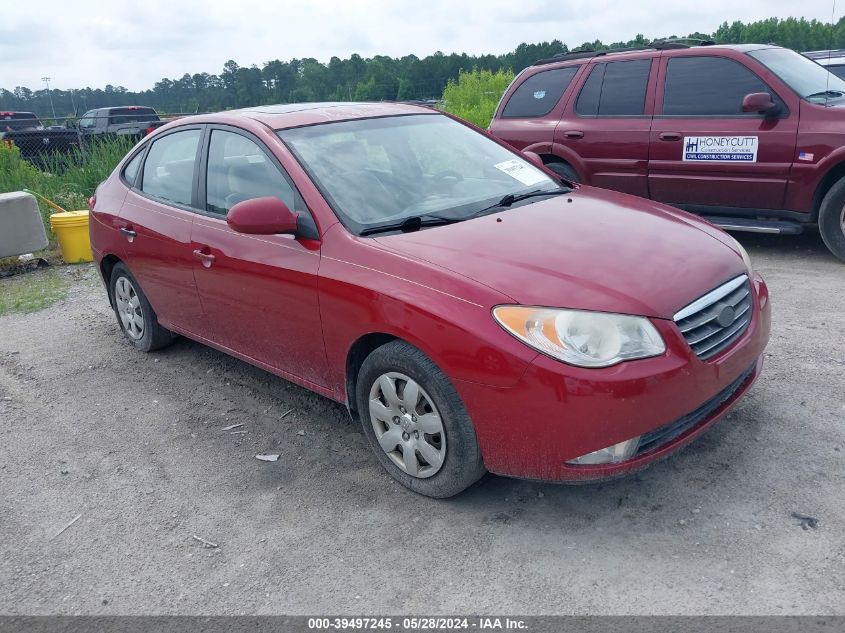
{"points": [[258, 292]]}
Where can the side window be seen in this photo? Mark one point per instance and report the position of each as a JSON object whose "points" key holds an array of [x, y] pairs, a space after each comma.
{"points": [[239, 170], [709, 86], [88, 120], [169, 167], [538, 94], [615, 89], [130, 172], [839, 71]]}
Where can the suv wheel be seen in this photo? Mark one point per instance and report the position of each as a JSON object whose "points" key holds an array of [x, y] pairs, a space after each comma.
{"points": [[832, 219], [416, 423], [563, 170]]}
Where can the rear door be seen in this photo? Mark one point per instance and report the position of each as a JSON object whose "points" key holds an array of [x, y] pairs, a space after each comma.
{"points": [[155, 222], [607, 125], [530, 113], [706, 152], [259, 292]]}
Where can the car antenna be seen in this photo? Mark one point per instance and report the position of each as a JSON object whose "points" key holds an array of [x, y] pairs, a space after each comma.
{"points": [[829, 51]]}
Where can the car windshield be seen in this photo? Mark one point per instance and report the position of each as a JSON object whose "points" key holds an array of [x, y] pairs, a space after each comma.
{"points": [[385, 170], [810, 80]]}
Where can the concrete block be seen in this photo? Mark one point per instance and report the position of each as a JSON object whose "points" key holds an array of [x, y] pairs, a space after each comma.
{"points": [[21, 228]]}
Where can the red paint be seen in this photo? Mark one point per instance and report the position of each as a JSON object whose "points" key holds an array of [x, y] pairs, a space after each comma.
{"points": [[642, 155], [295, 306]]}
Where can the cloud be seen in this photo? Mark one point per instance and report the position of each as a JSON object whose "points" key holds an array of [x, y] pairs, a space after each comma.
{"points": [[125, 43]]}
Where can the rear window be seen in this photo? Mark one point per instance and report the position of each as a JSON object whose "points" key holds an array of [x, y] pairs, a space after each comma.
{"points": [[615, 89], [538, 94], [132, 115], [11, 121]]}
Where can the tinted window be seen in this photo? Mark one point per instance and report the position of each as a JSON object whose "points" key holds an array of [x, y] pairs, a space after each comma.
{"points": [[615, 89], [709, 86], [10, 121], [169, 168], [130, 172], [839, 71], [538, 94], [118, 116], [239, 170]]}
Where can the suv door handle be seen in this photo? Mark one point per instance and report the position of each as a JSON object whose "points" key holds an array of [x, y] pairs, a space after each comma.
{"points": [[207, 259], [128, 233], [670, 136], [573, 134]]}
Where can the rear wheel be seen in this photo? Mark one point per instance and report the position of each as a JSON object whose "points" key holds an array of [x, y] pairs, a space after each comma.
{"points": [[416, 422], [564, 170], [135, 315], [832, 219]]}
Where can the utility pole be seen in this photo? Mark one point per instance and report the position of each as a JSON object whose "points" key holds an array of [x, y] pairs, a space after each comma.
{"points": [[46, 81]]}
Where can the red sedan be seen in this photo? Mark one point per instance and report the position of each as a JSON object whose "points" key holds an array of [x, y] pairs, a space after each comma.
{"points": [[471, 309]]}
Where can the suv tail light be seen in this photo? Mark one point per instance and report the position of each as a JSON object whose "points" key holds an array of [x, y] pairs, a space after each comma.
{"points": [[149, 130]]}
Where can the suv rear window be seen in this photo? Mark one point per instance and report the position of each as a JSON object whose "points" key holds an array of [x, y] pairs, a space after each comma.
{"points": [[538, 94], [709, 86], [615, 89]]}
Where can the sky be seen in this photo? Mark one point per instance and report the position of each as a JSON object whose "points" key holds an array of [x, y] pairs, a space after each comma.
{"points": [[134, 44]]}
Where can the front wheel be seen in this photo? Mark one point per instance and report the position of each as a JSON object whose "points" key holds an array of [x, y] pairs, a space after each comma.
{"points": [[416, 423], [832, 219]]}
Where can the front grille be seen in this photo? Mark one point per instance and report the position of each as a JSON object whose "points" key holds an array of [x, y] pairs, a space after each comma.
{"points": [[713, 322], [663, 435]]}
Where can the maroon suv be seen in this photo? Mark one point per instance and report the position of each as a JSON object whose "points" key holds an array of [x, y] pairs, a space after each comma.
{"points": [[750, 136]]}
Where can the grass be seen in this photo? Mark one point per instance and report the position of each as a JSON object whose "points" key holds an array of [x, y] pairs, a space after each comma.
{"points": [[475, 94], [31, 292], [67, 179]]}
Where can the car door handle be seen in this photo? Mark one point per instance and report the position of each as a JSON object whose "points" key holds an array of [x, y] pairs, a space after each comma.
{"points": [[670, 136], [573, 134], [128, 233], [207, 259]]}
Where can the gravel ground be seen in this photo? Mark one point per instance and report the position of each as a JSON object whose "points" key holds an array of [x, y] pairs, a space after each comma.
{"points": [[135, 445]]}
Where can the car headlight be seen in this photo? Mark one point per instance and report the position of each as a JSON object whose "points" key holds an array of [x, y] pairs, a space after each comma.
{"points": [[585, 339]]}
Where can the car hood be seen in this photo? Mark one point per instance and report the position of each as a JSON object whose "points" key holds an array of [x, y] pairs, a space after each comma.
{"points": [[590, 250]]}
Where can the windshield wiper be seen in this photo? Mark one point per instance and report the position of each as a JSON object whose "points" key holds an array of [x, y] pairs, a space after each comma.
{"points": [[414, 223], [825, 93], [511, 198]]}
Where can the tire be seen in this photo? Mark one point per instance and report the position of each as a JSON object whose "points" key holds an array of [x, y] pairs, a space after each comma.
{"points": [[564, 170], [832, 219], [460, 463], [135, 315]]}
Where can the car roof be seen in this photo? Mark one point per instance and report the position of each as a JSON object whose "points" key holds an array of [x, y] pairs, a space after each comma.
{"points": [[283, 116]]}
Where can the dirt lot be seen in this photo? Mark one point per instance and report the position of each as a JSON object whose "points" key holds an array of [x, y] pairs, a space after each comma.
{"points": [[136, 445]]}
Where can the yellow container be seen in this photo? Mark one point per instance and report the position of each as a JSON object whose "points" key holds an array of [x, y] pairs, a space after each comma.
{"points": [[71, 229]]}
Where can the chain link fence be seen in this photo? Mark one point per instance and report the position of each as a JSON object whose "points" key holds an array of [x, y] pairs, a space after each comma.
{"points": [[72, 139]]}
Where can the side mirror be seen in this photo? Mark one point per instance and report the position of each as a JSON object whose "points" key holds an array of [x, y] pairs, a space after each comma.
{"points": [[760, 102], [262, 216], [534, 158]]}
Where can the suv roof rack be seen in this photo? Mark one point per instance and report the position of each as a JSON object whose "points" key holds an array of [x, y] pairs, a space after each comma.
{"points": [[660, 45], [585, 53], [679, 42]]}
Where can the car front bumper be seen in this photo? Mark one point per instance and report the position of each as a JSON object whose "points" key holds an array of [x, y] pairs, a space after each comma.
{"points": [[558, 412]]}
